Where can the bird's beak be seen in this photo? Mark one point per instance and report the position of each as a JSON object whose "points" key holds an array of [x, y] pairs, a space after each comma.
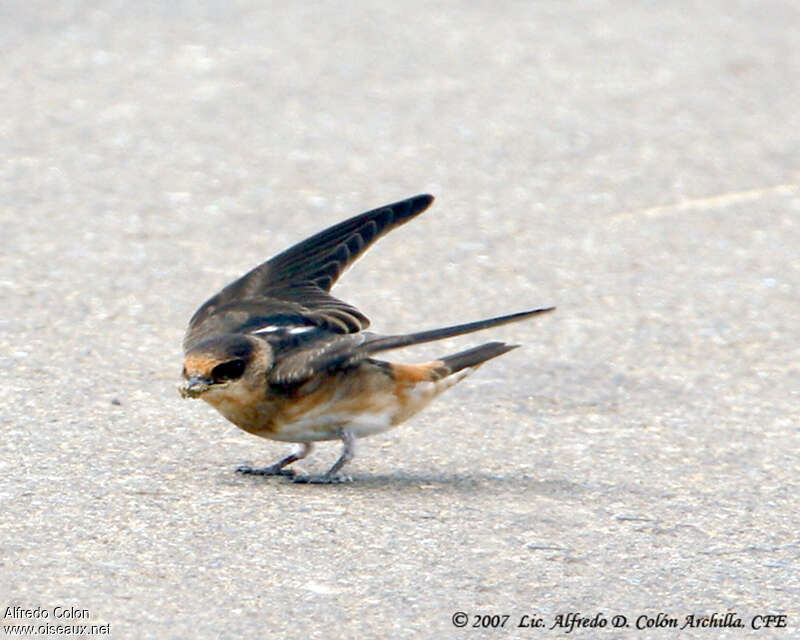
{"points": [[194, 387]]}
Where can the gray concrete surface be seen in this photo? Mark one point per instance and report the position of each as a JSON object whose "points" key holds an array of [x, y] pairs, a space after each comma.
{"points": [[635, 164]]}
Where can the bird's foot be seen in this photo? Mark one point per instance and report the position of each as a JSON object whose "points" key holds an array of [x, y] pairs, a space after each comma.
{"points": [[272, 470]]}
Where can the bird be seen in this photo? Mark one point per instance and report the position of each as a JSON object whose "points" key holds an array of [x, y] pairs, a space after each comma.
{"points": [[281, 358]]}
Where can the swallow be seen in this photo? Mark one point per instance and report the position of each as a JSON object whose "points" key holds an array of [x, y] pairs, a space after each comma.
{"points": [[281, 358]]}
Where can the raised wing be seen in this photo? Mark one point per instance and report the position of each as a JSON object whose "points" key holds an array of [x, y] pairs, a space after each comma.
{"points": [[292, 288]]}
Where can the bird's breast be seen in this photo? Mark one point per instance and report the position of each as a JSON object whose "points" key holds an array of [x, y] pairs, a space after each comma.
{"points": [[250, 409]]}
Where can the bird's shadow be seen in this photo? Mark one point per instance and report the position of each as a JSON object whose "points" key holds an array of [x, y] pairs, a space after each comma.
{"points": [[472, 482]]}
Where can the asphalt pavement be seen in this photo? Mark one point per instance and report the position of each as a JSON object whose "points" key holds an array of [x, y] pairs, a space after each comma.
{"points": [[636, 164]]}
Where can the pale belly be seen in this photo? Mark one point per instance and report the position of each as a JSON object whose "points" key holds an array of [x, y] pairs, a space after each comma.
{"points": [[329, 425]]}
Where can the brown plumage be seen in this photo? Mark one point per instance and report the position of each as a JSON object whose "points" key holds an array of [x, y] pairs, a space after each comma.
{"points": [[283, 359]]}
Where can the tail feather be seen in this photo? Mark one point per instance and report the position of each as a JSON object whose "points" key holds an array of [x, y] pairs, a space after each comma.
{"points": [[476, 356], [394, 342]]}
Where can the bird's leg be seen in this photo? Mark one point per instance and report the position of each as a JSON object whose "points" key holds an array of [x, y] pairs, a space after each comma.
{"points": [[348, 451], [330, 477], [277, 469]]}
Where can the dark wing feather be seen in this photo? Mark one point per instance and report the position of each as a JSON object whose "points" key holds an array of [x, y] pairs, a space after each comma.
{"points": [[300, 364], [293, 286], [336, 352]]}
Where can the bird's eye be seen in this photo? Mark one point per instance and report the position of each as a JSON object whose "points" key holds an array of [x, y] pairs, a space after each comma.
{"points": [[228, 370]]}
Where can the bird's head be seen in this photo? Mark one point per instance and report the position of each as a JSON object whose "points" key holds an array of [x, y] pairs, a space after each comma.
{"points": [[225, 361]]}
